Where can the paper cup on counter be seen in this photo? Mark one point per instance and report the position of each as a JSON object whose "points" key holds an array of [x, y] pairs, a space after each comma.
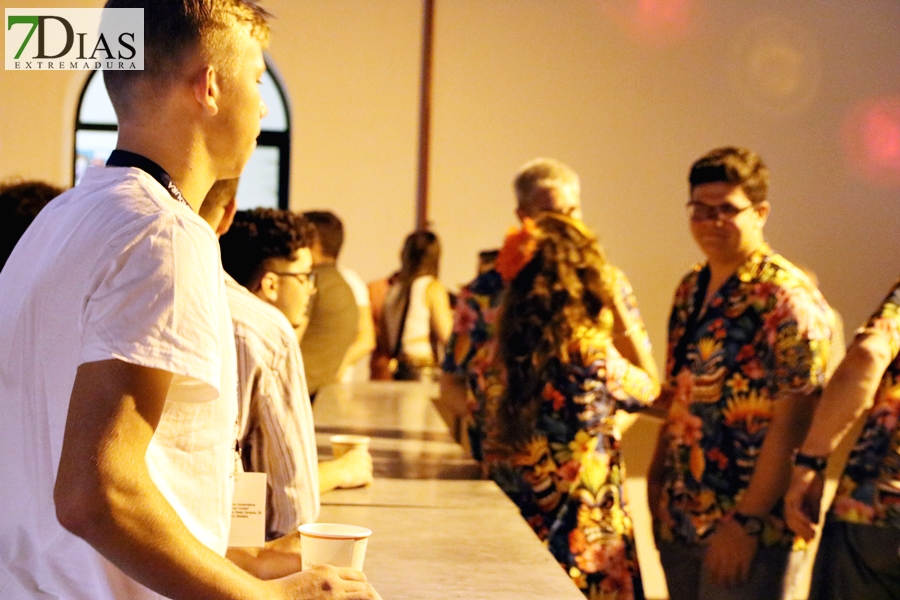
{"points": [[333, 544], [343, 443]]}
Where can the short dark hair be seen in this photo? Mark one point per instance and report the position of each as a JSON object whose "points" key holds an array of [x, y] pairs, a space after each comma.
{"points": [[737, 166], [20, 202], [261, 234], [173, 28], [330, 230]]}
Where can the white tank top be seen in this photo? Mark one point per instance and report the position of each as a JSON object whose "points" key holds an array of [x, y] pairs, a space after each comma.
{"points": [[417, 331]]}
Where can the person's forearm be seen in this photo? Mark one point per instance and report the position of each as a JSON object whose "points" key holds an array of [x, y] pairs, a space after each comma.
{"points": [[660, 407], [365, 339], [441, 314], [329, 476], [772, 472], [105, 495], [630, 338], [129, 522], [351, 469], [849, 393]]}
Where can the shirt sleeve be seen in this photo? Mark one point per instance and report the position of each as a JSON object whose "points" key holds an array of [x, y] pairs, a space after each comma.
{"points": [[466, 319], [156, 301], [798, 330], [279, 437], [439, 309], [600, 367], [887, 320]]}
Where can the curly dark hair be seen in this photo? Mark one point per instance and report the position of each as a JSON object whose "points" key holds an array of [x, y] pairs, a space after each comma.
{"points": [[737, 166], [261, 234], [559, 289], [20, 202]]}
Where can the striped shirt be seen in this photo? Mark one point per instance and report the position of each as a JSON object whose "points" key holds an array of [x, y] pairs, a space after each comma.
{"points": [[275, 420]]}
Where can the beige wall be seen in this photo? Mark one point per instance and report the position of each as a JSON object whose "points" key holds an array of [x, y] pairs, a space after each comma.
{"points": [[629, 108], [628, 103]]}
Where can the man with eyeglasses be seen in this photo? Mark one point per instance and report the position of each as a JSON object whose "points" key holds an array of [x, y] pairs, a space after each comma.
{"points": [[749, 338], [266, 255]]}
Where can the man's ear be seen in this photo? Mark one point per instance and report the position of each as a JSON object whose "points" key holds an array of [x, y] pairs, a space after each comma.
{"points": [[762, 210], [227, 217], [268, 287], [206, 89]]}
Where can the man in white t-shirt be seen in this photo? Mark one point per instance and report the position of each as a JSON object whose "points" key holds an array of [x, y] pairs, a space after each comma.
{"points": [[117, 366]]}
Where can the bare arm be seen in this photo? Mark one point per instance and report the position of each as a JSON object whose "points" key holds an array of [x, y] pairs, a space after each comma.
{"points": [[353, 469], [104, 494], [452, 403], [364, 342], [629, 334], [441, 315], [849, 392]]}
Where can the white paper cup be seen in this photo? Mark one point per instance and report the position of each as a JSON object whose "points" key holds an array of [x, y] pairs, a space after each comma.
{"points": [[333, 544], [343, 443]]}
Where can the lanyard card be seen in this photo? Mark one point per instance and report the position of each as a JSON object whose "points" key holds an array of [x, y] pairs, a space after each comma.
{"points": [[248, 511]]}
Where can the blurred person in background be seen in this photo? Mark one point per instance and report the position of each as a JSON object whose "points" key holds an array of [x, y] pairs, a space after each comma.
{"points": [[20, 202], [326, 250], [857, 555], [417, 317], [334, 316]]}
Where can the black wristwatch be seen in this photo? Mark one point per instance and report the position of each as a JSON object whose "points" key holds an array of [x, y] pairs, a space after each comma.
{"points": [[813, 463], [752, 525]]}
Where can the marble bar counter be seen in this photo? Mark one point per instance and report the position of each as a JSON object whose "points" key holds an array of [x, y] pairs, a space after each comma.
{"points": [[383, 409], [409, 438], [467, 553], [439, 531], [424, 493], [411, 458]]}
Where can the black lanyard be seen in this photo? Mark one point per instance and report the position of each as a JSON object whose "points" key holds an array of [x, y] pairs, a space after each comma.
{"points": [[124, 158]]}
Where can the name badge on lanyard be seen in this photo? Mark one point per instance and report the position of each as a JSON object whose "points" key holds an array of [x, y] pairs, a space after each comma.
{"points": [[248, 511]]}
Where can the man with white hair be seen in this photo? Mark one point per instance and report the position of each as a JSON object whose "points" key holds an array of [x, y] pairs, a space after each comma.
{"points": [[541, 185]]}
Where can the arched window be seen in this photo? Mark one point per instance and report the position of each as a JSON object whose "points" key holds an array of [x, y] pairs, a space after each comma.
{"points": [[265, 180]]}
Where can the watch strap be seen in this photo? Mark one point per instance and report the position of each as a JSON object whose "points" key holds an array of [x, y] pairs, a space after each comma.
{"points": [[751, 524], [814, 463]]}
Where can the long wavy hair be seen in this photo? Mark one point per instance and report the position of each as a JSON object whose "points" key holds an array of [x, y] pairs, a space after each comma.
{"points": [[558, 290]]}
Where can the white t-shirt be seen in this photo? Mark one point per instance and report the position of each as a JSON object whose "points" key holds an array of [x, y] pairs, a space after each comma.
{"points": [[114, 268], [356, 283], [359, 371]]}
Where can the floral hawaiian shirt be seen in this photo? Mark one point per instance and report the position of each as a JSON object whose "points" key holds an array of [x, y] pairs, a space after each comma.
{"points": [[869, 490], [472, 345], [567, 477], [765, 334], [472, 348]]}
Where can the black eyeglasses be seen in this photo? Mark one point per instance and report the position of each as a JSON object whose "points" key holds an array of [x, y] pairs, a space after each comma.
{"points": [[698, 211], [305, 278]]}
